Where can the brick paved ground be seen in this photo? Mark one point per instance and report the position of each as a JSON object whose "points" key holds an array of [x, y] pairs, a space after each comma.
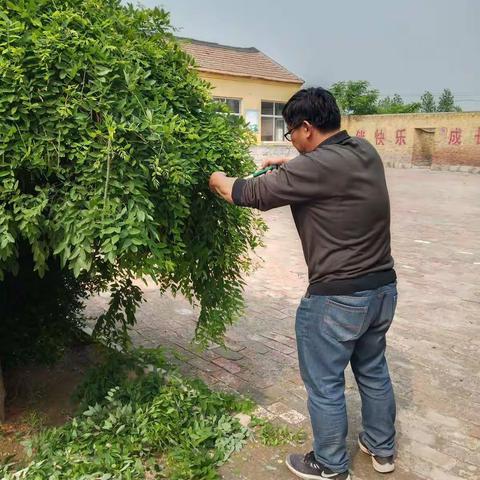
{"points": [[434, 343]]}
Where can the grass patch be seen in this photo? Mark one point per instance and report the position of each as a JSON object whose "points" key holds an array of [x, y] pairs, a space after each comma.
{"points": [[34, 420], [272, 435]]}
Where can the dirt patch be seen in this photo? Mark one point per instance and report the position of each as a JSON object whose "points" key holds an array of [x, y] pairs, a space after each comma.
{"points": [[41, 396]]}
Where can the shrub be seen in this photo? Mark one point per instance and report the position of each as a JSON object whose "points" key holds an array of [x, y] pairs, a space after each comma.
{"points": [[107, 140]]}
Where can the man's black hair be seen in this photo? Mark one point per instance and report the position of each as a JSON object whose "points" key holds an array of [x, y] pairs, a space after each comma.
{"points": [[315, 105]]}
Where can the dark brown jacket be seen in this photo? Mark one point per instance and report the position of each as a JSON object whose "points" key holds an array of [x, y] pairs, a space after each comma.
{"points": [[340, 204]]}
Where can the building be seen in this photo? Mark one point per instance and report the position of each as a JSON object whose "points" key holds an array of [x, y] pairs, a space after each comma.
{"points": [[250, 82], [257, 87], [427, 140]]}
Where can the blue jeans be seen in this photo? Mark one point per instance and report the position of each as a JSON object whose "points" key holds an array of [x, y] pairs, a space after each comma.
{"points": [[332, 331]]}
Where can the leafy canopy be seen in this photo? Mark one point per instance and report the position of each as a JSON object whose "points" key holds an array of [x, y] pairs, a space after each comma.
{"points": [[355, 97], [397, 105], [428, 104], [446, 102], [107, 139]]}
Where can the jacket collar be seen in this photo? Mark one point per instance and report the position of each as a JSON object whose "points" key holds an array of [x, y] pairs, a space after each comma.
{"points": [[339, 137]]}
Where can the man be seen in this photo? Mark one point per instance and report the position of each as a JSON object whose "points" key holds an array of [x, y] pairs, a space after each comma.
{"points": [[339, 200]]}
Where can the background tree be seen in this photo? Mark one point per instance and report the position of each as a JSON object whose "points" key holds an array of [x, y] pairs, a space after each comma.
{"points": [[355, 97], [446, 102], [107, 140], [428, 104], [396, 105]]}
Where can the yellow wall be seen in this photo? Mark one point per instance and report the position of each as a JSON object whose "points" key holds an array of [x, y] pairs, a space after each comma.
{"points": [[251, 91], [447, 138], [427, 139]]}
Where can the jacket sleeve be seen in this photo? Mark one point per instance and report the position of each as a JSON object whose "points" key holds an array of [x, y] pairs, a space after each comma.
{"points": [[297, 181]]}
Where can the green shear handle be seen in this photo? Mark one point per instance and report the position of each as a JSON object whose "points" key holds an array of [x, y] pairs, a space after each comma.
{"points": [[262, 171]]}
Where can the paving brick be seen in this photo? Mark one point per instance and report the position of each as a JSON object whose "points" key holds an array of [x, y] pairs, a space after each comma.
{"points": [[210, 380], [283, 339], [432, 455], [258, 347], [263, 413], [279, 347], [439, 474], [271, 313], [228, 354], [234, 346], [262, 382], [208, 355], [203, 365], [293, 417], [228, 365], [230, 380], [277, 408]]}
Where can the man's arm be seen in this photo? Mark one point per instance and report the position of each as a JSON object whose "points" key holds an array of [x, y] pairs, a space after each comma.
{"points": [[266, 162], [222, 185]]}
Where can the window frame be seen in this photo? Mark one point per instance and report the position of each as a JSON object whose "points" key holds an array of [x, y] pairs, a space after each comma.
{"points": [[221, 99], [274, 117]]}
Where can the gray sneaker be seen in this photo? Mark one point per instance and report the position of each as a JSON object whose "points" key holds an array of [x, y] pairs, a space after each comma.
{"points": [[380, 464], [307, 467]]}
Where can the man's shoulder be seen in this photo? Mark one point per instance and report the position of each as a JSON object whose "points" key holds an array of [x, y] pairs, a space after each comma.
{"points": [[345, 158], [352, 146]]}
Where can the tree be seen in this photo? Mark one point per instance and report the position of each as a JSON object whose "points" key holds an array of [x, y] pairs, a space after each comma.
{"points": [[396, 105], [446, 102], [355, 97], [107, 140], [428, 103]]}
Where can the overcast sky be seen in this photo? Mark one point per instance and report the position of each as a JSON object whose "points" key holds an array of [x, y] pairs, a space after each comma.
{"points": [[403, 47]]}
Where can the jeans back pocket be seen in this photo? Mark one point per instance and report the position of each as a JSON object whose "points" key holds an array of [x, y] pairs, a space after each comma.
{"points": [[345, 321]]}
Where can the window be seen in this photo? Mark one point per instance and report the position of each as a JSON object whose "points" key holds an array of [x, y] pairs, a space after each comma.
{"points": [[273, 124], [233, 103]]}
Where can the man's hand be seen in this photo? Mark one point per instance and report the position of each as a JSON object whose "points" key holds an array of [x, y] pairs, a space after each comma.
{"points": [[274, 161], [222, 185]]}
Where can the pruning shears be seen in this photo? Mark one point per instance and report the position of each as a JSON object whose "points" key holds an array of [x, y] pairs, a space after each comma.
{"points": [[262, 171]]}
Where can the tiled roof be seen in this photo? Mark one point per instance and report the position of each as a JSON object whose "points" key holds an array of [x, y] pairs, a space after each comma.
{"points": [[243, 62]]}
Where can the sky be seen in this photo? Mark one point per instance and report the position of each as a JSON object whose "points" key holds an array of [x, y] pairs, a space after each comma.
{"points": [[404, 47]]}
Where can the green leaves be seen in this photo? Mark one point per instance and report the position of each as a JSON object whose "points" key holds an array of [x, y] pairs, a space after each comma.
{"points": [[107, 141], [355, 97], [157, 422]]}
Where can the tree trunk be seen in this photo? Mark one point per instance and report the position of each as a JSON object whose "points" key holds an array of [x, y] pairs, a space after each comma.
{"points": [[2, 396]]}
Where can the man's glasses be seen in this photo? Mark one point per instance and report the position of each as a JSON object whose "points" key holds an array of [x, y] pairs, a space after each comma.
{"points": [[288, 136]]}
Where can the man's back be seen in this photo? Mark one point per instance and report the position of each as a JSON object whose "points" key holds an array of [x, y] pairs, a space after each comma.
{"points": [[345, 233], [339, 200]]}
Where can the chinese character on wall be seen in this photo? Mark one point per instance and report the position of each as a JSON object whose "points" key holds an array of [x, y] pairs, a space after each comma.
{"points": [[477, 136], [400, 137], [360, 133], [455, 137], [379, 137]]}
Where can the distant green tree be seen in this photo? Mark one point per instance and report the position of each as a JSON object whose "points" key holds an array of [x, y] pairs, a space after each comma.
{"points": [[355, 97], [396, 105], [427, 102], [397, 99], [446, 102]]}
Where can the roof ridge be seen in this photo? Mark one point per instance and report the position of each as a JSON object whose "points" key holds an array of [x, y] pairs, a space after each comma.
{"points": [[218, 45]]}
